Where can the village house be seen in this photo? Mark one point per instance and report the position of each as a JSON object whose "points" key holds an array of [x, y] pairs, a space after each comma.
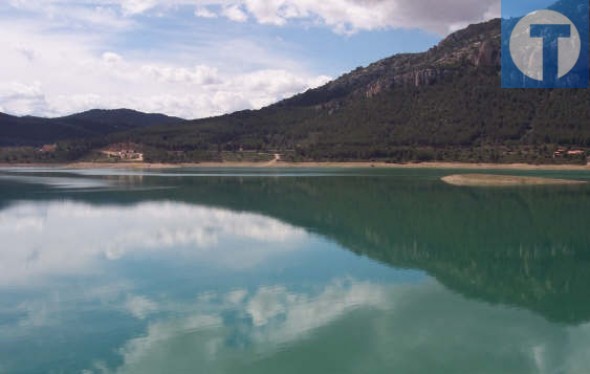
{"points": [[48, 148], [124, 153], [562, 152]]}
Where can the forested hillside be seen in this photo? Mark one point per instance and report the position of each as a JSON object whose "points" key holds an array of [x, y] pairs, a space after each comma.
{"points": [[35, 131], [445, 104]]}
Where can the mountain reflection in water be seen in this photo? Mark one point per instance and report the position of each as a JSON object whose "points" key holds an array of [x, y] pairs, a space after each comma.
{"points": [[247, 273]]}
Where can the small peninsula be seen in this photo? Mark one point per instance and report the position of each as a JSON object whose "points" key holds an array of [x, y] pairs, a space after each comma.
{"points": [[492, 180]]}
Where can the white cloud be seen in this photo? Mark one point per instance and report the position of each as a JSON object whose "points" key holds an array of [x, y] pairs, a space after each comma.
{"points": [[111, 58], [137, 6], [79, 14], [204, 12], [28, 52], [22, 98], [61, 57], [234, 13], [64, 77], [271, 12], [54, 74], [348, 16], [199, 75], [343, 16]]}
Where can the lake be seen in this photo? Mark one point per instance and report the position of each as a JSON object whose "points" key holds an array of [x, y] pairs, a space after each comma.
{"points": [[290, 271]]}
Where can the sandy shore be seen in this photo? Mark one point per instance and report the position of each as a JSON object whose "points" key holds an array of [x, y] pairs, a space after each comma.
{"points": [[489, 180], [274, 164]]}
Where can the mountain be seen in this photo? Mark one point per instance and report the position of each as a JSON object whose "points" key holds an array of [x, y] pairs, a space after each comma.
{"points": [[124, 117], [445, 104], [442, 104], [474, 48], [34, 131]]}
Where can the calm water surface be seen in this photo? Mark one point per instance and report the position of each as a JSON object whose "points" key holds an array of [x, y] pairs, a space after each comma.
{"points": [[307, 271]]}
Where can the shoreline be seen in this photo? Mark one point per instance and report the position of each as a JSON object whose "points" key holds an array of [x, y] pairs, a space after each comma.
{"points": [[495, 180], [300, 165]]}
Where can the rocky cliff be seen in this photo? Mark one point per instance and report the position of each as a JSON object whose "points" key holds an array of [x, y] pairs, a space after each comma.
{"points": [[475, 48]]}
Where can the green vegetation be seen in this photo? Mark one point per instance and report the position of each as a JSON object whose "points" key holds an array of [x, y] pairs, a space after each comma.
{"points": [[36, 131], [455, 120], [445, 104]]}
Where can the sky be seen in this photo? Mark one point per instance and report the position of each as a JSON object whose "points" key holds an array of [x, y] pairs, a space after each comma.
{"points": [[522, 8], [201, 58]]}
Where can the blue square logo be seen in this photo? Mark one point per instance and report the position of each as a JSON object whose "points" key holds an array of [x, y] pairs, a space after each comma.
{"points": [[545, 45]]}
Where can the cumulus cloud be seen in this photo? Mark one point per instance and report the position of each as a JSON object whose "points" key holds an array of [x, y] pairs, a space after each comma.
{"points": [[111, 58], [61, 57], [199, 75], [22, 98], [204, 12], [29, 53], [343, 16], [79, 14], [58, 76], [55, 74], [137, 6], [351, 16], [234, 13]]}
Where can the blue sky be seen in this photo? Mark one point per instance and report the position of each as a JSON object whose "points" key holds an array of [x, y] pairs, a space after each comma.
{"points": [[522, 8], [197, 58], [324, 50]]}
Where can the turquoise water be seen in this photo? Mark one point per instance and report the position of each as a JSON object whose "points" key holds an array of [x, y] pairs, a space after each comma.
{"points": [[290, 271]]}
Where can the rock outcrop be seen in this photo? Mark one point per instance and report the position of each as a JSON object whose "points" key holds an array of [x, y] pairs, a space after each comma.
{"points": [[476, 47]]}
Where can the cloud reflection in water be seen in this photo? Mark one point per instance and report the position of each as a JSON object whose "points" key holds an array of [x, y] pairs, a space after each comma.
{"points": [[69, 238]]}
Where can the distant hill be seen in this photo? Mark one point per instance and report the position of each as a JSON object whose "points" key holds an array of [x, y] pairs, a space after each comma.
{"points": [[445, 104], [34, 131], [442, 104]]}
